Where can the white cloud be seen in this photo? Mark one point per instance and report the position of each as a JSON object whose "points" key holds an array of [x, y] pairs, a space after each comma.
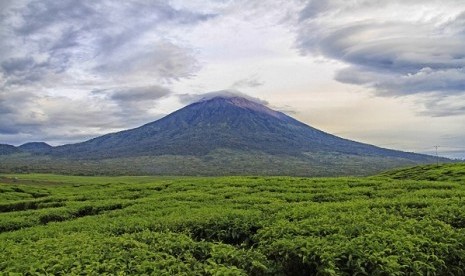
{"points": [[395, 48], [55, 53]]}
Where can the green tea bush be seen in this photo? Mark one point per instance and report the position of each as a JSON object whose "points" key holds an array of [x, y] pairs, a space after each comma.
{"points": [[231, 226]]}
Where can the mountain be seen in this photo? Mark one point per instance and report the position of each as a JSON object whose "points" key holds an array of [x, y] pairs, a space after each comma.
{"points": [[35, 147], [223, 123], [231, 135], [32, 147], [6, 149]]}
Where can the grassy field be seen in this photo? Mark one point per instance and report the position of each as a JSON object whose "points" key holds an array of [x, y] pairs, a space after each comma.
{"points": [[383, 225]]}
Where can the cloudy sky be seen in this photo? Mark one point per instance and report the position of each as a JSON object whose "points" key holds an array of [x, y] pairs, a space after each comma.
{"points": [[384, 72]]}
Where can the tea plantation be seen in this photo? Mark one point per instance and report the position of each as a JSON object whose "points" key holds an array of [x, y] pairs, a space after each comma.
{"points": [[383, 225]]}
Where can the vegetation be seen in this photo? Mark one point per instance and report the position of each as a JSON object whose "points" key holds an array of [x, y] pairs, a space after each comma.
{"points": [[218, 162], [51, 224], [8, 149], [443, 172]]}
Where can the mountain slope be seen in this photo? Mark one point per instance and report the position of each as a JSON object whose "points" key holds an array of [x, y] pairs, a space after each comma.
{"points": [[223, 123]]}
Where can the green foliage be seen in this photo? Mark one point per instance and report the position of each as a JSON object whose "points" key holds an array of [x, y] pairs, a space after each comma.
{"points": [[69, 225], [219, 162], [444, 172]]}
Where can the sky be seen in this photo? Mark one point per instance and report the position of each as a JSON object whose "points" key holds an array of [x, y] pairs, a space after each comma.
{"points": [[384, 72]]}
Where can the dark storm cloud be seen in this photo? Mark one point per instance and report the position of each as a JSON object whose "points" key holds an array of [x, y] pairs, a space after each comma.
{"points": [[15, 65], [8, 129], [393, 56], [23, 70]]}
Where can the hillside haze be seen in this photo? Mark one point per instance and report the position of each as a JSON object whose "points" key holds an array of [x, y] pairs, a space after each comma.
{"points": [[229, 135]]}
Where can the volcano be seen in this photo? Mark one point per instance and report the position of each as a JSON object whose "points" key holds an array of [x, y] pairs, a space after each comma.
{"points": [[230, 135]]}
